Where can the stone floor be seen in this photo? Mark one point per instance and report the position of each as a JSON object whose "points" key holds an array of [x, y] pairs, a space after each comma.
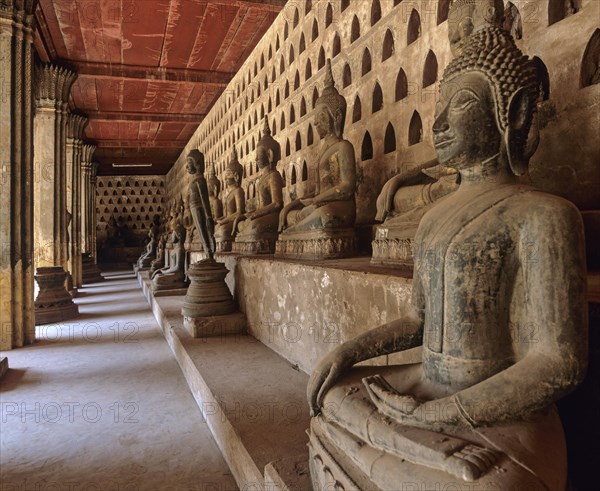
{"points": [[101, 404]]}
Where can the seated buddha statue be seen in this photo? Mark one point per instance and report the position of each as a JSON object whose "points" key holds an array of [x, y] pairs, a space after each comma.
{"points": [[145, 260], [403, 201], [172, 277], [321, 225], [159, 262], [257, 230], [498, 309], [234, 204], [214, 188]]}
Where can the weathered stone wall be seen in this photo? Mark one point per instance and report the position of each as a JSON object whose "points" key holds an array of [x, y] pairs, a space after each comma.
{"points": [[566, 162], [304, 311], [134, 199]]}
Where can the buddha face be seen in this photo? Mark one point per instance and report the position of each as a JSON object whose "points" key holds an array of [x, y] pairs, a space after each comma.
{"points": [[323, 122], [465, 131], [262, 157], [231, 178], [191, 165]]}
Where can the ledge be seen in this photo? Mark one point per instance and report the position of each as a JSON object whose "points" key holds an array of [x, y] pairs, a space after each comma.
{"points": [[253, 400]]}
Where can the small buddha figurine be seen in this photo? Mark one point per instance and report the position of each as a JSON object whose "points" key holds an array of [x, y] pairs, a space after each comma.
{"points": [[257, 230], [234, 204], [145, 260], [499, 309], [172, 277], [328, 215], [199, 202]]}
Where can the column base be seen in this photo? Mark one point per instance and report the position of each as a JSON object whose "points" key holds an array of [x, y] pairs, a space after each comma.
{"points": [[317, 244], [3, 366], [90, 270], [53, 303], [207, 295]]}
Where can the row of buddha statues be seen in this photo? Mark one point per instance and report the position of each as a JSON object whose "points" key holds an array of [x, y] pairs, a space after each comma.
{"points": [[478, 411]]}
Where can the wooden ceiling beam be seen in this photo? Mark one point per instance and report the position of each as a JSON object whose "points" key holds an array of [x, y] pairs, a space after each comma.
{"points": [[145, 116], [100, 70]]}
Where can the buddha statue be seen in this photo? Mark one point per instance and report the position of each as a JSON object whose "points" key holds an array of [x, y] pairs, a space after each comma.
{"points": [[498, 309], [214, 188], [199, 202], [320, 225], [234, 204], [145, 260], [208, 294], [403, 201], [159, 262], [257, 230], [172, 276]]}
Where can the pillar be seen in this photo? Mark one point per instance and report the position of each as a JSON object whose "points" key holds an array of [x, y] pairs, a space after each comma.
{"points": [[75, 128], [52, 88], [17, 26], [89, 169]]}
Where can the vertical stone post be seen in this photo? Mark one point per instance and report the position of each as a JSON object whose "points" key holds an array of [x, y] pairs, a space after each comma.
{"points": [[75, 128], [93, 224], [17, 26], [90, 271], [52, 88]]}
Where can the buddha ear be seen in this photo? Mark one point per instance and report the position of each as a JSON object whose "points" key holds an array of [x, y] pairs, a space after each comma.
{"points": [[522, 135], [270, 155]]}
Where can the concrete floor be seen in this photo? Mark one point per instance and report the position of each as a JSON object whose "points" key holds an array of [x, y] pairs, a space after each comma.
{"points": [[101, 404]]}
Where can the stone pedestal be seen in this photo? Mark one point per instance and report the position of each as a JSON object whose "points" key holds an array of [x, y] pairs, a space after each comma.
{"points": [[224, 245], [255, 244], [207, 295], [215, 326], [317, 244], [3, 366], [53, 302], [393, 246], [91, 272]]}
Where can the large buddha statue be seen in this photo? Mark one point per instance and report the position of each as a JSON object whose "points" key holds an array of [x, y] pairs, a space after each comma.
{"points": [[234, 204], [321, 225], [207, 295], [498, 307], [257, 230], [199, 202], [172, 276]]}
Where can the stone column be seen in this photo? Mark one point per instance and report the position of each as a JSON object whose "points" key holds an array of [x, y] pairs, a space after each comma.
{"points": [[90, 271], [52, 88], [17, 25], [75, 128]]}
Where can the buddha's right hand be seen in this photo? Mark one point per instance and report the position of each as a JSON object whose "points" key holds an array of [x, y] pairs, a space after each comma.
{"points": [[324, 376]]}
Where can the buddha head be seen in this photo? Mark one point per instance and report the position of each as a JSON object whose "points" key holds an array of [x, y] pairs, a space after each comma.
{"points": [[468, 16], [330, 110], [234, 170], [268, 151], [487, 103], [195, 161]]}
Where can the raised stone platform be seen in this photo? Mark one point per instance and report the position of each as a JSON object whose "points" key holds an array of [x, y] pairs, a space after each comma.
{"points": [[253, 400]]}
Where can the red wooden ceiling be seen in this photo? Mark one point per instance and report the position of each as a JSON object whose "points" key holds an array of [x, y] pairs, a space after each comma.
{"points": [[148, 70]]}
